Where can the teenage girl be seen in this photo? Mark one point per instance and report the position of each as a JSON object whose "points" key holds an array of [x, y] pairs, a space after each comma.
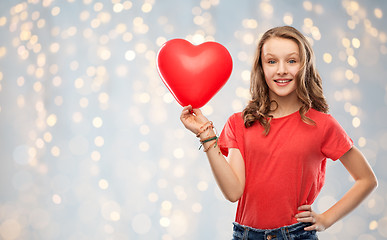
{"points": [[277, 147]]}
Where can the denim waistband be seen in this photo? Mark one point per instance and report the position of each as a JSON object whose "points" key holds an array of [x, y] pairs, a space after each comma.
{"points": [[287, 232]]}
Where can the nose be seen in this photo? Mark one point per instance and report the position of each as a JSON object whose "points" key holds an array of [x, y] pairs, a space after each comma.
{"points": [[282, 70]]}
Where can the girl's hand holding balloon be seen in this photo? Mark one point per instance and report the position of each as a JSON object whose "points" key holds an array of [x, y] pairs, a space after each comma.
{"points": [[192, 119]]}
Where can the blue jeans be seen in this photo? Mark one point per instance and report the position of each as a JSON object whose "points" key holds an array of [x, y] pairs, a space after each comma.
{"points": [[292, 232]]}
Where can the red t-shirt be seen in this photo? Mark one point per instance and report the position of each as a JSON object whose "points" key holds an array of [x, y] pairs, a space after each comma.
{"points": [[286, 168]]}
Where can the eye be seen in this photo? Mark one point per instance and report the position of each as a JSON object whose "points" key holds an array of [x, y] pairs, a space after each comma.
{"points": [[292, 61], [271, 61]]}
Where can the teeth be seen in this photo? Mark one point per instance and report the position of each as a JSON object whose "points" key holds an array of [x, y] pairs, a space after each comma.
{"points": [[282, 81]]}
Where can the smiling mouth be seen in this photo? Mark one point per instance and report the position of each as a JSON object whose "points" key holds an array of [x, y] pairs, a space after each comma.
{"points": [[283, 81]]}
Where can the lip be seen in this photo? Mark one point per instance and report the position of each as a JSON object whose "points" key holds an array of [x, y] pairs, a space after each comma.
{"points": [[282, 82]]}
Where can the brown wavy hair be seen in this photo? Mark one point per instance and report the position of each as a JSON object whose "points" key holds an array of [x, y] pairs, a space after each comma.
{"points": [[309, 85]]}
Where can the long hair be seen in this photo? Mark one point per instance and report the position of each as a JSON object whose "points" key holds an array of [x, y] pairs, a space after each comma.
{"points": [[308, 81]]}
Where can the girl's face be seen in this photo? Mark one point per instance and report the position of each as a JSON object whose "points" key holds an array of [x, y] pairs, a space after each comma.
{"points": [[280, 63]]}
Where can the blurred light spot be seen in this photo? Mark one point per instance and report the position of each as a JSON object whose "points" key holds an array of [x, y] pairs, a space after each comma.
{"points": [[115, 216], [118, 7], [103, 184], [355, 42], [356, 122], [83, 102], [246, 75], [373, 225], [197, 207], [349, 74], [179, 224], [166, 205], [352, 61], [56, 199], [127, 5], [97, 122], [378, 13], [288, 19], [346, 43], [3, 21], [325, 202], [144, 129], [237, 105], [178, 153], [165, 222], [180, 193], [55, 11], [153, 197], [103, 97], [51, 120], [207, 110], [382, 227], [242, 93], [375, 204], [55, 151], [99, 141], [202, 186], [248, 38], [3, 51], [10, 229], [78, 83], [141, 223], [95, 156], [266, 7], [77, 117], [146, 7], [307, 5], [143, 146], [353, 110], [39, 143], [250, 23], [162, 183], [38, 85], [57, 81], [168, 97], [111, 211], [362, 142], [327, 57], [164, 163], [179, 171], [20, 101]]}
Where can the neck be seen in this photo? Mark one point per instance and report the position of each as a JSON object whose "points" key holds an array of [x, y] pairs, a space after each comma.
{"points": [[286, 105]]}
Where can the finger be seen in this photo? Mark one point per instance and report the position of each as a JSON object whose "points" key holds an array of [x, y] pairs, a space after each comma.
{"points": [[305, 208], [306, 220], [314, 227], [197, 111], [304, 214]]}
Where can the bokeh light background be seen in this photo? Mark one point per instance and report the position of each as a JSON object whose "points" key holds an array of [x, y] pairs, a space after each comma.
{"points": [[91, 145]]}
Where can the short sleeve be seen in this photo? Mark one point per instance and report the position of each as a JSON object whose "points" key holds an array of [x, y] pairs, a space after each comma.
{"points": [[335, 142], [228, 138]]}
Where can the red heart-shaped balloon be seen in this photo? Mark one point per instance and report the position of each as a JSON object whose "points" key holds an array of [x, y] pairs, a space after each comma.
{"points": [[193, 73]]}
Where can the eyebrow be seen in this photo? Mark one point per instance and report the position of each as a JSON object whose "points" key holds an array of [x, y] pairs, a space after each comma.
{"points": [[290, 54]]}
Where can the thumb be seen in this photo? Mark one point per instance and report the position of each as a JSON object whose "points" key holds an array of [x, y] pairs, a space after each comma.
{"points": [[197, 111]]}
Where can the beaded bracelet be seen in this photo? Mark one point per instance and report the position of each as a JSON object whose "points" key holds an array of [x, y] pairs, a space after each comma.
{"points": [[208, 140], [204, 128], [214, 144]]}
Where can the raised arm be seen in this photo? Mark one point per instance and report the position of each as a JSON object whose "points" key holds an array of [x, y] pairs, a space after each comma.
{"points": [[229, 175], [365, 182]]}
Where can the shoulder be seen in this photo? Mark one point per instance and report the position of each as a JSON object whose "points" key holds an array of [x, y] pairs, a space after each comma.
{"points": [[324, 120], [235, 121], [319, 117], [237, 118]]}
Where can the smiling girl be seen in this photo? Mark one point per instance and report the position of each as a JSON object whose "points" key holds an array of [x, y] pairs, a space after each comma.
{"points": [[277, 147]]}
